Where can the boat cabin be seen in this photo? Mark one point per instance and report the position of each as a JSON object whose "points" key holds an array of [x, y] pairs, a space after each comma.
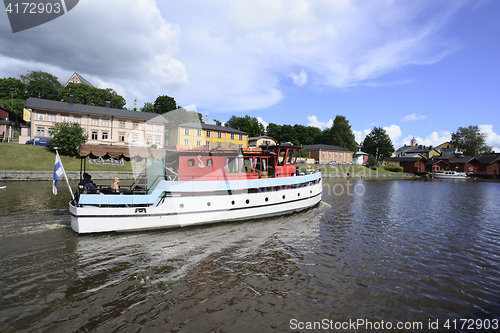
{"points": [[249, 163]]}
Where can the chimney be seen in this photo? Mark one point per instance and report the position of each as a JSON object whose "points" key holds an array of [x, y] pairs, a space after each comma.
{"points": [[70, 99], [108, 104]]}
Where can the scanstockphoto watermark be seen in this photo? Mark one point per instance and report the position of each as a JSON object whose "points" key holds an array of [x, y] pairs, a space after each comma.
{"points": [[354, 324], [28, 14], [345, 188]]}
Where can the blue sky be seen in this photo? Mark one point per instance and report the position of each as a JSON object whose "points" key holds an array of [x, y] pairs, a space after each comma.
{"points": [[417, 68]]}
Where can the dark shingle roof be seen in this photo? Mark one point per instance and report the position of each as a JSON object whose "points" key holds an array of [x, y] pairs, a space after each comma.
{"points": [[461, 160], [212, 127], [487, 159], [325, 147], [404, 159], [73, 108]]}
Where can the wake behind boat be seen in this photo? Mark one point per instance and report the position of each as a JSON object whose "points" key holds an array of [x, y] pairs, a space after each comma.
{"points": [[183, 188]]}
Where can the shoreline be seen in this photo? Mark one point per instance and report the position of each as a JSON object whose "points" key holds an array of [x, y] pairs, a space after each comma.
{"points": [[99, 175]]}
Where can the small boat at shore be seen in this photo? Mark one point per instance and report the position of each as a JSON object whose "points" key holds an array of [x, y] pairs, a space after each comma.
{"points": [[178, 188], [450, 175], [2, 187]]}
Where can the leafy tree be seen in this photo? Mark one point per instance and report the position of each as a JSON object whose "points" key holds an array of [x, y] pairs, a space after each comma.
{"points": [[164, 104], [181, 116], [274, 131], [372, 162], [67, 137], [288, 134], [148, 107], [246, 124], [378, 143], [42, 85], [12, 94], [341, 134], [88, 95], [470, 140]]}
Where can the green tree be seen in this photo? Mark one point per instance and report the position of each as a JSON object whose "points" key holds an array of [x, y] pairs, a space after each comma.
{"points": [[471, 141], [12, 94], [67, 137], [274, 131], [246, 124], [164, 104], [341, 134], [148, 107], [42, 85], [88, 95], [378, 143]]}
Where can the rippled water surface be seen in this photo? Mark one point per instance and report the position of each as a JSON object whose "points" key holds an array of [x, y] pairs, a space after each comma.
{"points": [[394, 251]]}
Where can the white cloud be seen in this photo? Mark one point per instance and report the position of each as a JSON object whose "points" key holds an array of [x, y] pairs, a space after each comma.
{"points": [[313, 121], [413, 117], [493, 139], [260, 120], [227, 55], [394, 132], [359, 136], [299, 79], [433, 139]]}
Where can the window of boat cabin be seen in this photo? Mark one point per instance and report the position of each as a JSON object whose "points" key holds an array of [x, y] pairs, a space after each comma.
{"points": [[191, 162], [295, 154], [289, 156], [210, 162], [281, 158], [232, 164], [247, 165], [261, 164]]}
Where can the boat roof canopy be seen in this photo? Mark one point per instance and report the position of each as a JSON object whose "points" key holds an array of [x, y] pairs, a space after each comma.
{"points": [[117, 152]]}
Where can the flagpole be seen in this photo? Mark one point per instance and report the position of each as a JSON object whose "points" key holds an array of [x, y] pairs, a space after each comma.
{"points": [[64, 173]]}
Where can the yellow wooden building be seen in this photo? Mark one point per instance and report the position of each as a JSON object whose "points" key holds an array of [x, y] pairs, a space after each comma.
{"points": [[192, 135]]}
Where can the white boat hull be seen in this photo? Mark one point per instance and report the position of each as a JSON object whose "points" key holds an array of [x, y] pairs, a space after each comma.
{"points": [[450, 175], [180, 210]]}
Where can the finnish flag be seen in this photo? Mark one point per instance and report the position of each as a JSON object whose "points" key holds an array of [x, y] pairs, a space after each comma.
{"points": [[58, 171]]}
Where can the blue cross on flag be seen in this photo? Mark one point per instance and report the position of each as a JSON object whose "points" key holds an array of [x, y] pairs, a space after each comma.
{"points": [[58, 171]]}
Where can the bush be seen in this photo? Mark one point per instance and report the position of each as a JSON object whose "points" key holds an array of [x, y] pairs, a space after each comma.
{"points": [[372, 162], [67, 138], [393, 168]]}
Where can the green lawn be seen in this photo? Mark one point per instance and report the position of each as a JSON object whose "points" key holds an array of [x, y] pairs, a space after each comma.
{"points": [[38, 158]]}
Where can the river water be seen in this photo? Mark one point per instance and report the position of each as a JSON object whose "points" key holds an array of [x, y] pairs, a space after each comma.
{"points": [[389, 255]]}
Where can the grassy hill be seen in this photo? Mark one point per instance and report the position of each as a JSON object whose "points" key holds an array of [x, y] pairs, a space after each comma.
{"points": [[38, 158]]}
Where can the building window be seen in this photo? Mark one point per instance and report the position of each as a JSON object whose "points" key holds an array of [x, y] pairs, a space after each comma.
{"points": [[219, 144], [149, 139], [41, 117], [122, 124], [208, 133], [186, 131], [50, 132], [51, 117], [94, 135], [198, 142], [135, 138], [340, 155], [158, 128], [219, 135], [329, 156], [135, 126], [105, 123], [198, 132], [104, 135], [324, 155], [78, 120], [186, 142], [65, 119], [158, 140], [207, 144], [150, 127], [40, 131], [232, 136], [95, 122], [121, 137], [241, 136], [336, 156], [240, 146]]}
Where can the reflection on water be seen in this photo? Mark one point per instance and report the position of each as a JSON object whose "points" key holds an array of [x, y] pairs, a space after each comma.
{"points": [[402, 251]]}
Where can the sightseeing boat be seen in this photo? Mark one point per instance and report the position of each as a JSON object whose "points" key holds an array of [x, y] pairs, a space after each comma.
{"points": [[177, 188]]}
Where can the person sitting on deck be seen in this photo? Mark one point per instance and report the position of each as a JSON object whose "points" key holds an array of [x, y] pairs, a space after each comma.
{"points": [[115, 188], [86, 184]]}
